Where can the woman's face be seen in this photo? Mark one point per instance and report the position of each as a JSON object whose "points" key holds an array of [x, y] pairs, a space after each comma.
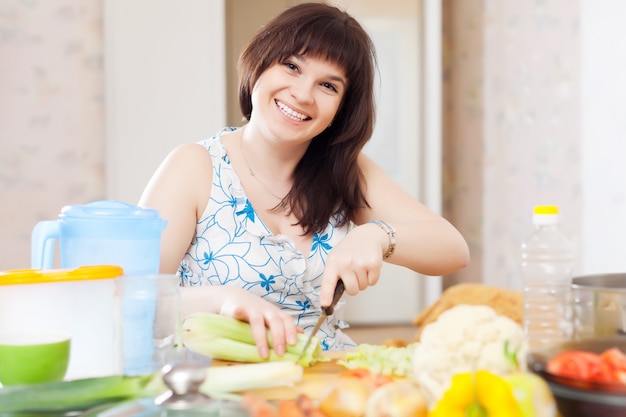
{"points": [[298, 98]]}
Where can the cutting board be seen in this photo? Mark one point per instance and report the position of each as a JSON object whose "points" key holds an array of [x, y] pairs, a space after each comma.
{"points": [[315, 379]]}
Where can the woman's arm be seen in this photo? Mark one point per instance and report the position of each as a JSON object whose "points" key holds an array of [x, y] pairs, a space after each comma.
{"points": [[425, 242], [179, 190]]}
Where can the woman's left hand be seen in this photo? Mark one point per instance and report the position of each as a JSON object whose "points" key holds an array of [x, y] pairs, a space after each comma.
{"points": [[357, 260]]}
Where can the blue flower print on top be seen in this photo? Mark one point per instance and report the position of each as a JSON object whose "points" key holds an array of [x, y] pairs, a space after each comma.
{"points": [[232, 246]]}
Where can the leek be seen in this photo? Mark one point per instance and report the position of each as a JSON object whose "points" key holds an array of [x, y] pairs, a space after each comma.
{"points": [[75, 395], [226, 338], [82, 394]]}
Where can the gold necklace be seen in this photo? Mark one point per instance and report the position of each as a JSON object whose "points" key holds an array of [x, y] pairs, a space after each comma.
{"points": [[252, 174]]}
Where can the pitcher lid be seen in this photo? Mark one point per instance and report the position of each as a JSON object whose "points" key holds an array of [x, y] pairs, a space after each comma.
{"points": [[108, 209], [38, 276]]}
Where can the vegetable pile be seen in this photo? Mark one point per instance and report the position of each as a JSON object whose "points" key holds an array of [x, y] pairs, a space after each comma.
{"points": [[466, 338], [355, 393]]}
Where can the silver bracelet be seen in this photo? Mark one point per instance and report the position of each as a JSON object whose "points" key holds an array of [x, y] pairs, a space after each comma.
{"points": [[391, 232]]}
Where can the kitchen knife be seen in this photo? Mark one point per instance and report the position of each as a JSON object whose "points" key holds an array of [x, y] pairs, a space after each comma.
{"points": [[325, 313]]}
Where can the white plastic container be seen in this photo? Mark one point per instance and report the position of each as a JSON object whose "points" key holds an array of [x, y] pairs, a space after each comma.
{"points": [[79, 302], [547, 262]]}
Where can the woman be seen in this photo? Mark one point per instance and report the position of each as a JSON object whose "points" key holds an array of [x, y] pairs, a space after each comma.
{"points": [[274, 213]]}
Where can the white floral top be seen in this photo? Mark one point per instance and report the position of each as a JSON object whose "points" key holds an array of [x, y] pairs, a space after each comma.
{"points": [[233, 246]]}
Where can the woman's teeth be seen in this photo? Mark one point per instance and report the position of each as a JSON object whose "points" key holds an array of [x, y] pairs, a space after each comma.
{"points": [[292, 114]]}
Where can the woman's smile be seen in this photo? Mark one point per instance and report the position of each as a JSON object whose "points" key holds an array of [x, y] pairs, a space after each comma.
{"points": [[291, 113]]}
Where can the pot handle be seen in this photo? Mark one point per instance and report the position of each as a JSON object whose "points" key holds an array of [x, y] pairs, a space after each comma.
{"points": [[42, 244]]}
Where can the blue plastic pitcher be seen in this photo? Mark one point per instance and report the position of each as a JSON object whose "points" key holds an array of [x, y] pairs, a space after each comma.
{"points": [[106, 232]]}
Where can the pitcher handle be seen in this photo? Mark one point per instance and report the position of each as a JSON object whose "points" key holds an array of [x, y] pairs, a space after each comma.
{"points": [[42, 244]]}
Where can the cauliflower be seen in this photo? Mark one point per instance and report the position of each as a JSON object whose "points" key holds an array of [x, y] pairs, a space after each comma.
{"points": [[465, 338]]}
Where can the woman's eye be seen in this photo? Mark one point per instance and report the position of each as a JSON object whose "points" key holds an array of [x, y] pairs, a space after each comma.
{"points": [[329, 86], [291, 66]]}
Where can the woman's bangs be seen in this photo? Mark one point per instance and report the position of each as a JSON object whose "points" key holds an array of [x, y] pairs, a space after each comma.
{"points": [[331, 45]]}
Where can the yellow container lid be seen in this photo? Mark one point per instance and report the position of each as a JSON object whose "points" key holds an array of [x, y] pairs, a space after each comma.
{"points": [[39, 276]]}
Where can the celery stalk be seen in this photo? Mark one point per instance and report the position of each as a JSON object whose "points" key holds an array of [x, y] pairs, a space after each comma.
{"points": [[226, 338], [249, 376]]}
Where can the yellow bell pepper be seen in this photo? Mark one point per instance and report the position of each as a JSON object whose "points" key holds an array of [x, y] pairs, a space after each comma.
{"points": [[480, 394]]}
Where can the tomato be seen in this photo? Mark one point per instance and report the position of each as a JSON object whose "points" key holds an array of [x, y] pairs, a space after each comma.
{"points": [[608, 366], [577, 364], [614, 364]]}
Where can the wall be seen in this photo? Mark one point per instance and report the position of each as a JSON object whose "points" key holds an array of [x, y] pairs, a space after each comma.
{"points": [[603, 131], [165, 84], [51, 115], [531, 96]]}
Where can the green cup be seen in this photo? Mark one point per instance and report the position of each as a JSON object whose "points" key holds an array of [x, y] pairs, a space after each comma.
{"points": [[33, 358]]}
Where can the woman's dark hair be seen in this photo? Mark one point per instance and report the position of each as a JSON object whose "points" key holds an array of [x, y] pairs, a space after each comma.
{"points": [[329, 167]]}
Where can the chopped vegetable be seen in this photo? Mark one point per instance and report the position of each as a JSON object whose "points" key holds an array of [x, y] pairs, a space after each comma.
{"points": [[608, 366], [380, 359], [226, 338]]}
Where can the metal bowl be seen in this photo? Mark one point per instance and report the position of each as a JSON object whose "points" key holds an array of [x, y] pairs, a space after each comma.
{"points": [[599, 303], [579, 398]]}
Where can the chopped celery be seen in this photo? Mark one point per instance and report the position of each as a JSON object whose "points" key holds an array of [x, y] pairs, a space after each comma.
{"points": [[380, 359]]}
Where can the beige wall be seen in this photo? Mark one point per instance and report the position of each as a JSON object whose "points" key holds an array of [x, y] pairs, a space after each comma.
{"points": [[51, 115], [511, 133]]}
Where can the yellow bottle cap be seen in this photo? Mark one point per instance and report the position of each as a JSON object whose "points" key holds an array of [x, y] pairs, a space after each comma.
{"points": [[546, 210]]}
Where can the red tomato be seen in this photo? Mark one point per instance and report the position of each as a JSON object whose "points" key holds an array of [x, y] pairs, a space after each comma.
{"points": [[614, 365], [575, 364], [609, 366]]}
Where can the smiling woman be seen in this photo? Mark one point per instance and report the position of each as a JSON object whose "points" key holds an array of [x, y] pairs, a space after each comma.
{"points": [[194, 79], [271, 215]]}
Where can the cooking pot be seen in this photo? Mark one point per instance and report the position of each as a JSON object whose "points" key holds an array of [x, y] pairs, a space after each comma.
{"points": [[599, 305], [105, 232]]}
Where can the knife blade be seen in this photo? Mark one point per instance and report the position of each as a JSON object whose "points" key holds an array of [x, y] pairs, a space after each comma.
{"points": [[327, 311]]}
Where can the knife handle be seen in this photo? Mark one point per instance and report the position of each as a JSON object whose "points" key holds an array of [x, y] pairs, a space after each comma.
{"points": [[336, 296]]}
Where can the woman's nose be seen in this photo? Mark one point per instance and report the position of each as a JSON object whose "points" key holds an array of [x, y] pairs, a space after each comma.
{"points": [[302, 91]]}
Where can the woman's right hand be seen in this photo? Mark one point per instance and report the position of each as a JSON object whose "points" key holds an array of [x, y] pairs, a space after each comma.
{"points": [[242, 305]]}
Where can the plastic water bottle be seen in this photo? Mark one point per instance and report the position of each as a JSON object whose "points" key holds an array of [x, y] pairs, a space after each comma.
{"points": [[547, 267]]}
